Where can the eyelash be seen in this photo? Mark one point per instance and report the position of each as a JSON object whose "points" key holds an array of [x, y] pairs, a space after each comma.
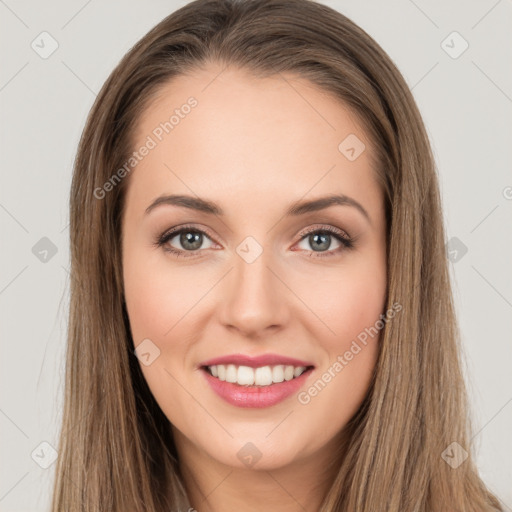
{"points": [[343, 238]]}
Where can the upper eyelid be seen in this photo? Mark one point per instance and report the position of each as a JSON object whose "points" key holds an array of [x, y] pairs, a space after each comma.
{"points": [[171, 233]]}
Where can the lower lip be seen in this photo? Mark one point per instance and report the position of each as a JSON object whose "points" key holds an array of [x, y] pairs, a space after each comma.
{"points": [[256, 396]]}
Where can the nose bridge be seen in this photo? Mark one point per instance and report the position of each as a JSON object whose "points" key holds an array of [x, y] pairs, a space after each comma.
{"points": [[254, 296]]}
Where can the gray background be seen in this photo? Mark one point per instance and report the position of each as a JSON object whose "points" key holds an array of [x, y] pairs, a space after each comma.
{"points": [[466, 103]]}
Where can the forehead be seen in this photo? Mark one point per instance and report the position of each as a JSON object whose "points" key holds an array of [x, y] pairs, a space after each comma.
{"points": [[247, 141]]}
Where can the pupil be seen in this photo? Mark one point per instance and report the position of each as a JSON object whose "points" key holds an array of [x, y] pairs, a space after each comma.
{"points": [[193, 238], [323, 240]]}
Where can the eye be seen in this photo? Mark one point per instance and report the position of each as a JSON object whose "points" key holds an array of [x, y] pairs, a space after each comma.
{"points": [[189, 238], [320, 239]]}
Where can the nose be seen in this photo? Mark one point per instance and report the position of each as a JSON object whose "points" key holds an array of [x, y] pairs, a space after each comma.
{"points": [[256, 298]]}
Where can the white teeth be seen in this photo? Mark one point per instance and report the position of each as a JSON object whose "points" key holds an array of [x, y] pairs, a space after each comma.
{"points": [[261, 376], [298, 371], [278, 373], [231, 373], [245, 376]]}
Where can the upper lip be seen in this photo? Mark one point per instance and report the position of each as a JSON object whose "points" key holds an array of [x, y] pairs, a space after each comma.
{"points": [[255, 361]]}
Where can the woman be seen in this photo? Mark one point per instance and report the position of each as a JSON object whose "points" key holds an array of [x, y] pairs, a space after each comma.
{"points": [[261, 314]]}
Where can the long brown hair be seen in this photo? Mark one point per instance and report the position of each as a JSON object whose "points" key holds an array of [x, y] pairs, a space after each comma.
{"points": [[116, 449]]}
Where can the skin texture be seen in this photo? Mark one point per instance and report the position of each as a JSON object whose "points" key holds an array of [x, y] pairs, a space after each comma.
{"points": [[254, 146]]}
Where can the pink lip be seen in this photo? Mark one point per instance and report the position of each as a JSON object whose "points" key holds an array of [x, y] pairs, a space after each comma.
{"points": [[255, 396], [255, 362]]}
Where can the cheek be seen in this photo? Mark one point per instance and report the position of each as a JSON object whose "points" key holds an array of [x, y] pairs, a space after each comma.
{"points": [[157, 302], [350, 354], [349, 303], [162, 304], [157, 297], [345, 304]]}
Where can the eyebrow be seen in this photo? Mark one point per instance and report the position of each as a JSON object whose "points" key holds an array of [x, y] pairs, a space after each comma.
{"points": [[295, 209]]}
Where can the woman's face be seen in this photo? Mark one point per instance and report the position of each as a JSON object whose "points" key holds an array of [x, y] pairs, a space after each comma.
{"points": [[251, 334]]}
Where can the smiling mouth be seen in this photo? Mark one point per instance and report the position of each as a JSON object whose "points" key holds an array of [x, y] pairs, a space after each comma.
{"points": [[262, 376]]}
